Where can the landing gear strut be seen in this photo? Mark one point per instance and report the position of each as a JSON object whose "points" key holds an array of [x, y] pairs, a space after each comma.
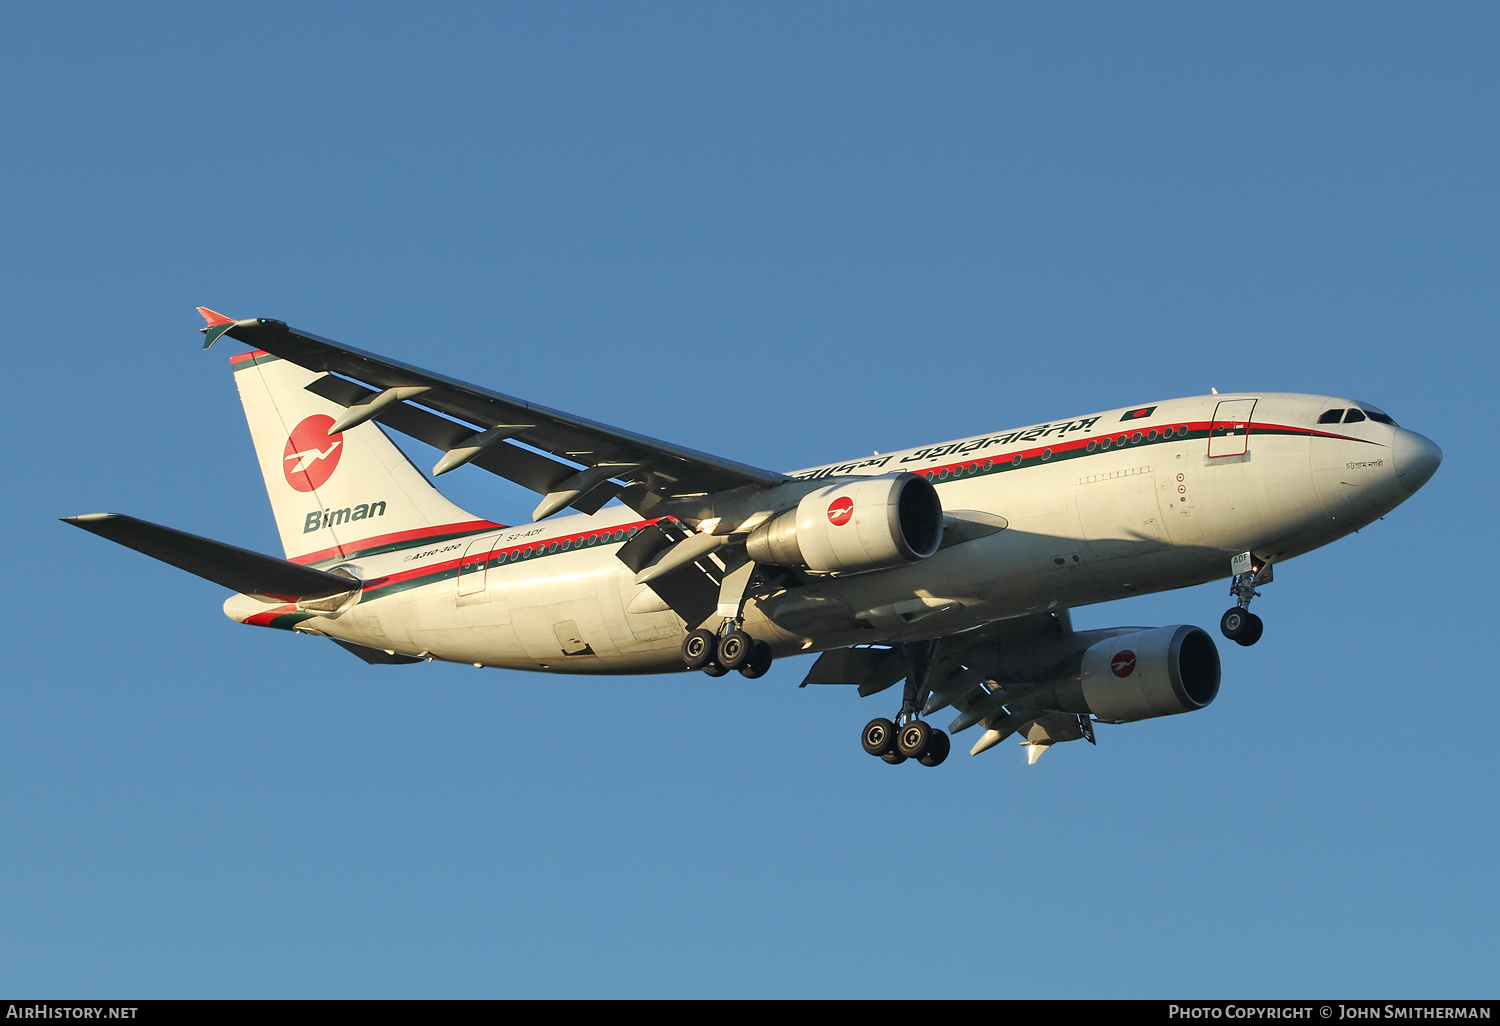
{"points": [[908, 737], [1239, 624]]}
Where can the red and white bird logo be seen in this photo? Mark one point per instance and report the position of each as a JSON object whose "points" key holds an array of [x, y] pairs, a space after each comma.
{"points": [[840, 510], [1123, 664], [311, 453]]}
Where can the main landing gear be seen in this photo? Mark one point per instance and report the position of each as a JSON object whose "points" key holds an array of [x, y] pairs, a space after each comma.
{"points": [[1239, 624], [908, 737], [730, 648], [733, 649]]}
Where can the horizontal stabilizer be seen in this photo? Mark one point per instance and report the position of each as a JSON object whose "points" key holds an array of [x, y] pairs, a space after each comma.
{"points": [[250, 573]]}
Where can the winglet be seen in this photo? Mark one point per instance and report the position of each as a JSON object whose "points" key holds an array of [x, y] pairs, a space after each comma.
{"points": [[217, 325]]}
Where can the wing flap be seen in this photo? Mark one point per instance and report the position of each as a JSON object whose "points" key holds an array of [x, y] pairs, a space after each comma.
{"points": [[872, 669]]}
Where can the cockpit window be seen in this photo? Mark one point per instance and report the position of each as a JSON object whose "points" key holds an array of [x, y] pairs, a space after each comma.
{"points": [[1354, 416], [1331, 416], [1375, 413]]}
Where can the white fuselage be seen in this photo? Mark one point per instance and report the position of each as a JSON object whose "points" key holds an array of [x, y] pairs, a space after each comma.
{"points": [[1087, 522]]}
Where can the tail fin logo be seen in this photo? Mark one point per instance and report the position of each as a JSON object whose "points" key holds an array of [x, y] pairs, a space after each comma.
{"points": [[311, 453]]}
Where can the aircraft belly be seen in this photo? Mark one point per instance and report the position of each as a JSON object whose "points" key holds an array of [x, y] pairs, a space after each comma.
{"points": [[386, 623]]}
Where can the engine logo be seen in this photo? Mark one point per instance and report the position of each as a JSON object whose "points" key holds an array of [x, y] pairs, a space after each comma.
{"points": [[1123, 664], [840, 510], [311, 454]]}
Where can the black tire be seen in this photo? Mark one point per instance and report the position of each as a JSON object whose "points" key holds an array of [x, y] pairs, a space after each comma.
{"points": [[735, 649], [879, 737], [698, 649], [1234, 623], [759, 661], [713, 669], [1252, 631], [894, 757], [937, 749], [912, 739]]}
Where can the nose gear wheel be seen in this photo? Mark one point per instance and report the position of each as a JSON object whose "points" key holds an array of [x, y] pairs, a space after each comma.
{"points": [[1241, 626]]}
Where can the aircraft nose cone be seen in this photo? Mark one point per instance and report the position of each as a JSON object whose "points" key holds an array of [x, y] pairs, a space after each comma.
{"points": [[1416, 459]]}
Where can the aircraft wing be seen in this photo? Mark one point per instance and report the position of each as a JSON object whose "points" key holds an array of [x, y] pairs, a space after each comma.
{"points": [[586, 463]]}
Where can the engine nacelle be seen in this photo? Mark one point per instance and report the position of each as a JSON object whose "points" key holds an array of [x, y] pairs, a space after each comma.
{"points": [[1151, 673], [868, 523]]}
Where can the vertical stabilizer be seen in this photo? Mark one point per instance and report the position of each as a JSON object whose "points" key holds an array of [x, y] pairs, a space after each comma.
{"points": [[342, 495]]}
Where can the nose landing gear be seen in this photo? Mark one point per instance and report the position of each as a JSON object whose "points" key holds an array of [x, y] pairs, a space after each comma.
{"points": [[1239, 624]]}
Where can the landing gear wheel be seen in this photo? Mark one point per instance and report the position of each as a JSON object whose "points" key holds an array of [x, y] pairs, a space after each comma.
{"points": [[1241, 626], [698, 649], [912, 739], [879, 737], [759, 661], [894, 757], [713, 669], [937, 749], [1253, 630], [735, 649]]}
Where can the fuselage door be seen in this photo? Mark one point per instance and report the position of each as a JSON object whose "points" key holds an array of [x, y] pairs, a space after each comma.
{"points": [[471, 570], [1229, 433]]}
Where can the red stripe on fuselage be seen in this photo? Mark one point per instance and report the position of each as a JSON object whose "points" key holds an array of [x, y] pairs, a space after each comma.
{"points": [[1072, 445], [494, 554], [264, 617], [343, 549]]}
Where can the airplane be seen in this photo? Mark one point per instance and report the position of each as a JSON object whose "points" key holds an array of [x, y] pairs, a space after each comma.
{"points": [[949, 568]]}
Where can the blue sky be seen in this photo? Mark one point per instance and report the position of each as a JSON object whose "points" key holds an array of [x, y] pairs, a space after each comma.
{"points": [[788, 234]]}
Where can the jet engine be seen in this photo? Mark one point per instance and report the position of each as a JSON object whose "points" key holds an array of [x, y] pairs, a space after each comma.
{"points": [[1143, 674], [852, 526]]}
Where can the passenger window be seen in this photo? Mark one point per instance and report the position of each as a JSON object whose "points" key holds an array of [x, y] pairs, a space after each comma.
{"points": [[1354, 416], [1331, 417]]}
